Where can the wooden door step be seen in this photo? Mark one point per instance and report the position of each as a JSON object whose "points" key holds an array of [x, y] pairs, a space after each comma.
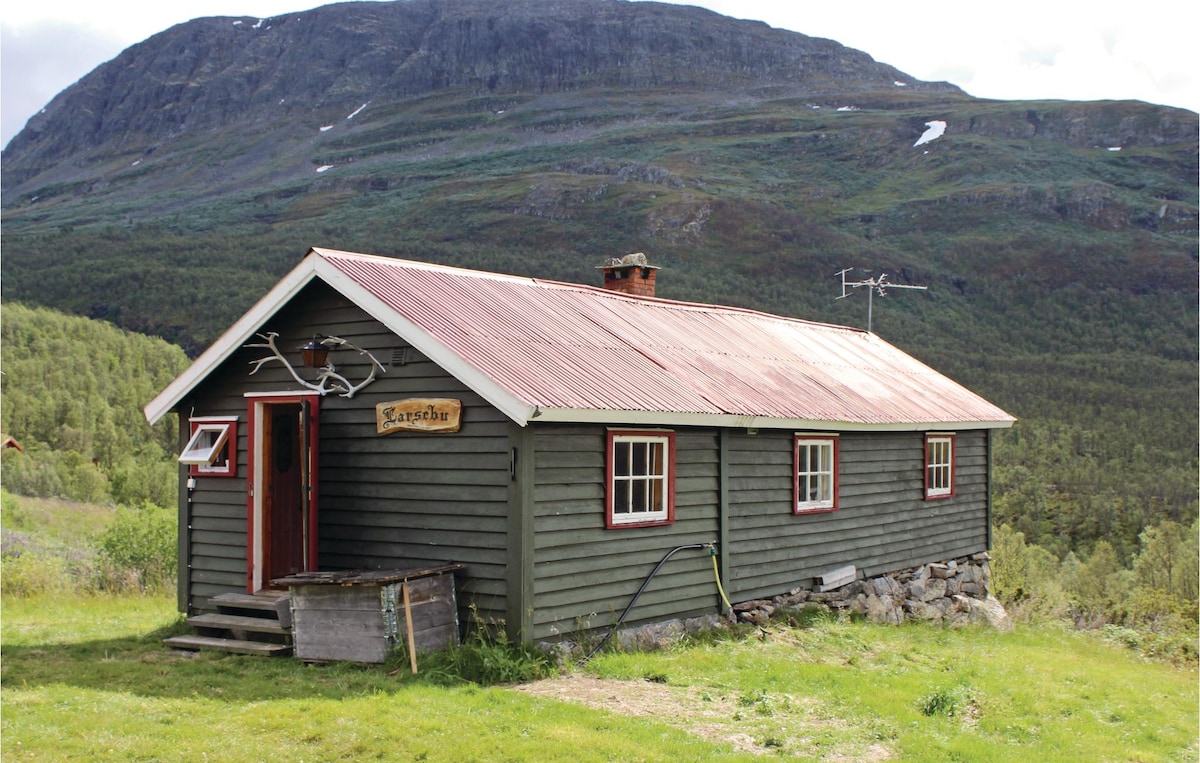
{"points": [[238, 623], [275, 604], [237, 646], [266, 602]]}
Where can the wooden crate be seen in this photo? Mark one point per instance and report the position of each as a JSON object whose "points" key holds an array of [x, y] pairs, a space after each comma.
{"points": [[359, 616]]}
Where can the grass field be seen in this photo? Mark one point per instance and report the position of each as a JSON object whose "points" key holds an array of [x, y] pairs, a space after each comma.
{"points": [[88, 679]]}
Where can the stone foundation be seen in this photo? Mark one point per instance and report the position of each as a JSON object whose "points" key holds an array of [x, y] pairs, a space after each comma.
{"points": [[953, 592]]}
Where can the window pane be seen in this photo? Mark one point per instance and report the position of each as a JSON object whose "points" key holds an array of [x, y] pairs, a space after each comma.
{"points": [[657, 502], [640, 462], [620, 497], [621, 458], [639, 495]]}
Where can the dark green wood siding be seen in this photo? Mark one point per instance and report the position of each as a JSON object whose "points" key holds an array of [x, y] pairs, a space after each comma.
{"points": [[586, 574], [883, 522], [384, 501]]}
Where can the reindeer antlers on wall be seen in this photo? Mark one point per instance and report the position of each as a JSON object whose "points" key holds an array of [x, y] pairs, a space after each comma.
{"points": [[329, 380]]}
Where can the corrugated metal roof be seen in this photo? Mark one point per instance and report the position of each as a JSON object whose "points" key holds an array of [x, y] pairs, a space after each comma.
{"points": [[576, 352]]}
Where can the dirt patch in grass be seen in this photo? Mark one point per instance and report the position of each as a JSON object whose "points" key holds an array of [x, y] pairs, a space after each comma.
{"points": [[757, 723]]}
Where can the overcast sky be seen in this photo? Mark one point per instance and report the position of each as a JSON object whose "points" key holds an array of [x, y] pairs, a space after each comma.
{"points": [[1019, 49]]}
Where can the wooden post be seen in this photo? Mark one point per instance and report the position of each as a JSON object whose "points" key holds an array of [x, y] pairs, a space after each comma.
{"points": [[408, 628]]}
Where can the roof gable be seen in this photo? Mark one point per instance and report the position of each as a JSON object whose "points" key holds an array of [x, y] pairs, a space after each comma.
{"points": [[563, 352]]}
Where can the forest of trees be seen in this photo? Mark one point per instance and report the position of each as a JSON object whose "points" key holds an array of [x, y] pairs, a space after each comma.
{"points": [[71, 395]]}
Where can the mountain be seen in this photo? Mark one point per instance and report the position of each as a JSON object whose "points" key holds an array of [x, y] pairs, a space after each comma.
{"points": [[172, 186], [310, 69]]}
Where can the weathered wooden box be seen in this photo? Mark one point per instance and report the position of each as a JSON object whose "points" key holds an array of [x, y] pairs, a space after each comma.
{"points": [[360, 616]]}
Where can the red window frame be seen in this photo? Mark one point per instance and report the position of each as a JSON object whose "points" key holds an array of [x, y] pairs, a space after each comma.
{"points": [[229, 468], [660, 518], [934, 490], [814, 507]]}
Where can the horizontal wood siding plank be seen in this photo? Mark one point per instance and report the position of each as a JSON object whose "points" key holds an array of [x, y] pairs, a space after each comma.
{"points": [[384, 521], [626, 551], [449, 544], [235, 526], [203, 549]]}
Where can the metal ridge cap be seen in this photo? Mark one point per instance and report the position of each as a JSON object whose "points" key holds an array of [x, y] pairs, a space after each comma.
{"points": [[696, 306], [401, 262]]}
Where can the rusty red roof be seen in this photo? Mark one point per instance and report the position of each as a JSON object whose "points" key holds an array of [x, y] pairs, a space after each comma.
{"points": [[553, 351]]}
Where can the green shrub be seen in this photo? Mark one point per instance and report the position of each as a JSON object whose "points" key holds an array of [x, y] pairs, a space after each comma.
{"points": [[487, 656], [1026, 578], [953, 701], [12, 515], [45, 571], [26, 474], [139, 550], [147, 476]]}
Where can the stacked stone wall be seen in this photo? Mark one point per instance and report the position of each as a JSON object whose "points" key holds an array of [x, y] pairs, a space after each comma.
{"points": [[955, 592]]}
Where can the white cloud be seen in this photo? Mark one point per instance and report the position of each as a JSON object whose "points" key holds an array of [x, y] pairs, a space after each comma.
{"points": [[30, 78]]}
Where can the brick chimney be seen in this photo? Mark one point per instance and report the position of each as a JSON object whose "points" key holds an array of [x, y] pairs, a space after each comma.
{"points": [[630, 275]]}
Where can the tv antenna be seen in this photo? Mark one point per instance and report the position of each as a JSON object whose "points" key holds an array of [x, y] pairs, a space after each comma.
{"points": [[880, 284]]}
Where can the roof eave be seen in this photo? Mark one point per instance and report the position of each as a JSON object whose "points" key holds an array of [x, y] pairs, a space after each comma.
{"points": [[739, 421]]}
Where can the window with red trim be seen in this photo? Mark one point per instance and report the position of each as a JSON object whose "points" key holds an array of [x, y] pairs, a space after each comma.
{"points": [[641, 478], [816, 473], [939, 465], [212, 449]]}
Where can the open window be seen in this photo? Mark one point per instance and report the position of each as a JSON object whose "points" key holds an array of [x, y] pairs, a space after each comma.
{"points": [[816, 475], [939, 466], [212, 449], [641, 478]]}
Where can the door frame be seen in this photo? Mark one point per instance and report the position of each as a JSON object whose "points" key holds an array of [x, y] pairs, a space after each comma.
{"points": [[257, 403]]}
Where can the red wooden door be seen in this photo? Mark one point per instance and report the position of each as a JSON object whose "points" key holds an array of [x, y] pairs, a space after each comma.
{"points": [[285, 508]]}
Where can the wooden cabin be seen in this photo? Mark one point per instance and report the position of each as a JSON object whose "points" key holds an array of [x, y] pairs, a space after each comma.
{"points": [[557, 440]]}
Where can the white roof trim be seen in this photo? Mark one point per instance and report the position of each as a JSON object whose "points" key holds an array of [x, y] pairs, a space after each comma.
{"points": [[667, 418], [233, 338]]}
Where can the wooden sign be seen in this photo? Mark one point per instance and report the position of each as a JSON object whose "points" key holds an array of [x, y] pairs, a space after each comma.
{"points": [[419, 414]]}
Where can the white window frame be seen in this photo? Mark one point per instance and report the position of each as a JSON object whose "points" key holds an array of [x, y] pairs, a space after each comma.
{"points": [[827, 468], [939, 465], [657, 472], [212, 437]]}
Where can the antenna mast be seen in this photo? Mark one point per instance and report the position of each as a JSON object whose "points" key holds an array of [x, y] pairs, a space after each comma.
{"points": [[880, 284]]}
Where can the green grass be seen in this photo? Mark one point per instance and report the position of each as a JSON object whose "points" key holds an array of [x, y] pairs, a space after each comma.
{"points": [[88, 679], [1041, 693]]}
